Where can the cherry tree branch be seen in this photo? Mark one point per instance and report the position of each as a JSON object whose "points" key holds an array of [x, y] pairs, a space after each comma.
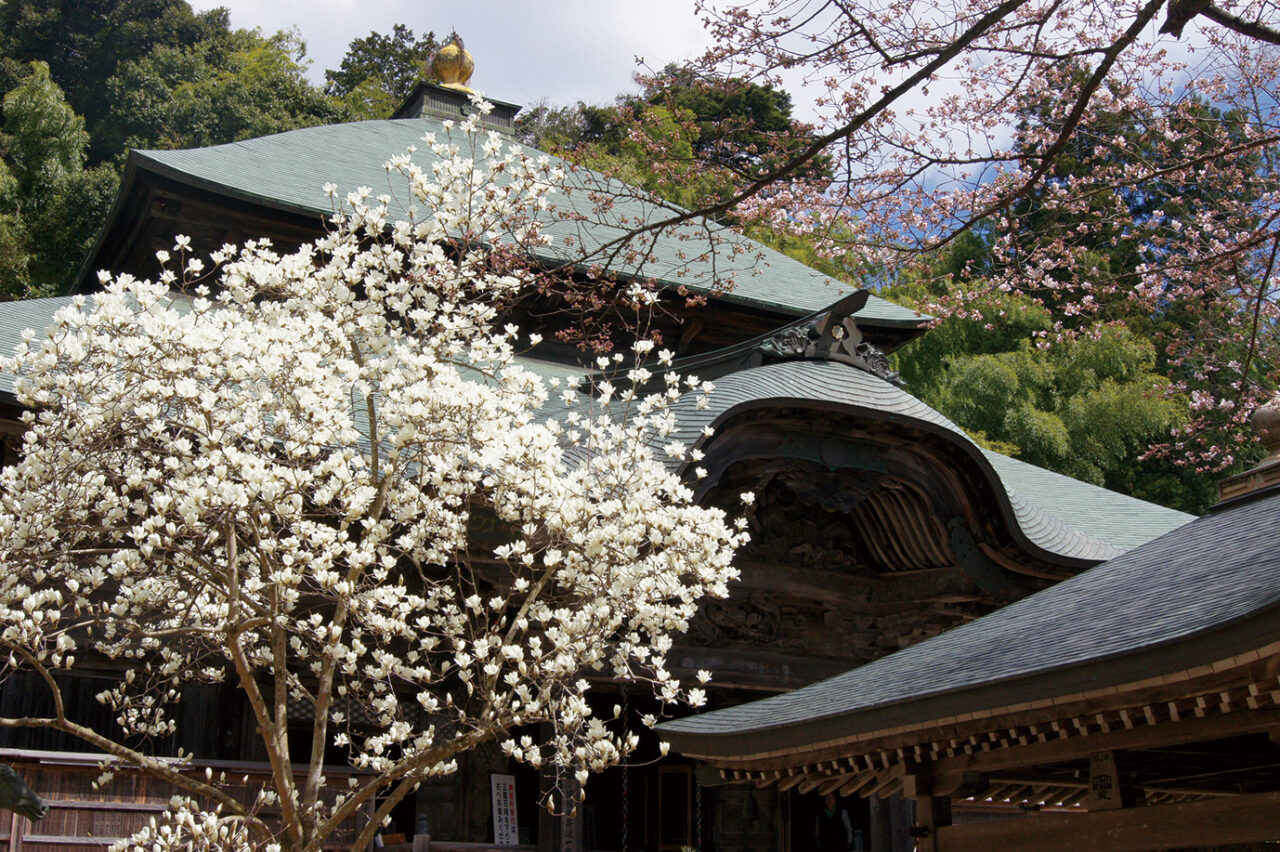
{"points": [[1252, 29]]}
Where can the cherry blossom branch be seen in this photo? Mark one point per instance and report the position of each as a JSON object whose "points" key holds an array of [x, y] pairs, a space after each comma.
{"points": [[1252, 29]]}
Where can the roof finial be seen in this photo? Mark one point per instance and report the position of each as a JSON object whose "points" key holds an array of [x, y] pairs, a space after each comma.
{"points": [[1266, 423], [452, 64]]}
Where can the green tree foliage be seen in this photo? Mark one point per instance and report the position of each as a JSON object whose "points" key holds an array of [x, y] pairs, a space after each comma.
{"points": [[44, 139], [119, 74], [644, 145], [236, 86], [86, 42], [1087, 407], [379, 71], [630, 158], [50, 205], [154, 73], [1147, 252], [687, 138], [65, 229], [558, 129], [736, 124], [14, 259]]}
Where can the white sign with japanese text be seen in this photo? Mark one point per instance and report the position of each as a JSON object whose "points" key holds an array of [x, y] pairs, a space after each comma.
{"points": [[505, 830]]}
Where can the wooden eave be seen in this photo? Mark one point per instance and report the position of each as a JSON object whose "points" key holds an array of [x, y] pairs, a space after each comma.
{"points": [[1032, 760], [1228, 697], [1209, 687], [155, 203], [957, 468]]}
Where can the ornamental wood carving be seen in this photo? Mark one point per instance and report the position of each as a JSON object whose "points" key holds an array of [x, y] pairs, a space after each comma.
{"points": [[813, 584]]}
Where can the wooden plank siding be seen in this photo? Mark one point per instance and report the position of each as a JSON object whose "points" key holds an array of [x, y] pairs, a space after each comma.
{"points": [[85, 818]]}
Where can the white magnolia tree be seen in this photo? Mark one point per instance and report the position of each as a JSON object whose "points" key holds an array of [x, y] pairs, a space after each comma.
{"points": [[271, 481]]}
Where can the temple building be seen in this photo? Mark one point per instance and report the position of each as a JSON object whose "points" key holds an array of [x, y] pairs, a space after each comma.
{"points": [[1135, 706], [881, 533]]}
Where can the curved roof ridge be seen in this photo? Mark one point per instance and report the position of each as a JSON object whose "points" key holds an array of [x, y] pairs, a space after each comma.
{"points": [[1055, 513]]}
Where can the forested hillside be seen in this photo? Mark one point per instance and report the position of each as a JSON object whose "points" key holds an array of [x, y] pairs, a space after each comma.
{"points": [[82, 83]]}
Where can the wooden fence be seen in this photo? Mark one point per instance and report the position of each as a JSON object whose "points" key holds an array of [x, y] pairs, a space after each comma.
{"points": [[84, 819]]}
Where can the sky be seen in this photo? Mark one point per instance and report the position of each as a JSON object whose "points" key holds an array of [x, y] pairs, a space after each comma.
{"points": [[561, 50]]}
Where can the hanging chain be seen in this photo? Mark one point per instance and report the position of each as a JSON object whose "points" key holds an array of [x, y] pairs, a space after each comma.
{"points": [[625, 795], [697, 814]]}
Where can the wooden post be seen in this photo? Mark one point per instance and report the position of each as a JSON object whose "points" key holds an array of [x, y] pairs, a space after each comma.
{"points": [[570, 821], [560, 830], [546, 819], [881, 837], [931, 812], [901, 821], [1104, 782]]}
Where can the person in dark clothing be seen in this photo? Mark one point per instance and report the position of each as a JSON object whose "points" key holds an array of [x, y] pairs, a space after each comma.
{"points": [[834, 831]]}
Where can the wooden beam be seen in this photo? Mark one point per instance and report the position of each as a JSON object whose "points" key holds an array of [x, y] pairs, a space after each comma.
{"points": [[830, 785], [812, 782], [883, 781], [1077, 798], [894, 788], [792, 781], [857, 783], [1190, 730], [1054, 721], [1240, 819]]}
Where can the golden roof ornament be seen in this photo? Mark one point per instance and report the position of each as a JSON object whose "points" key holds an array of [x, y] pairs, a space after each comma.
{"points": [[452, 65], [1266, 423]]}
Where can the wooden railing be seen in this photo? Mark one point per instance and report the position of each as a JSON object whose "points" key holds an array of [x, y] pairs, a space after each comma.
{"points": [[88, 818], [423, 843], [84, 819]]}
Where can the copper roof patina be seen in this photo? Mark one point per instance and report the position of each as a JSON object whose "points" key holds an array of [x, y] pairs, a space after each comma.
{"points": [[287, 172]]}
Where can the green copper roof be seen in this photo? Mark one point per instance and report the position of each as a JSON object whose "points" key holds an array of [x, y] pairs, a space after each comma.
{"points": [[1121, 521], [287, 171], [34, 314], [1055, 513]]}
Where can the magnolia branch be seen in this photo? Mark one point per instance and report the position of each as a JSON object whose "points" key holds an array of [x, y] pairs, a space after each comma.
{"points": [[152, 766]]}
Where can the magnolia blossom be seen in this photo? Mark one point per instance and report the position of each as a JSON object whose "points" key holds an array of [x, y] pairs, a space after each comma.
{"points": [[273, 477]]}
